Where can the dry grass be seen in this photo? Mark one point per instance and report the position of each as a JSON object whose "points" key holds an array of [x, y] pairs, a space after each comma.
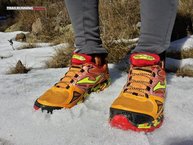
{"points": [[118, 20], [61, 58], [27, 46], [115, 19], [185, 7], [181, 55], [55, 15], [19, 68], [185, 71], [183, 23], [116, 52], [68, 36], [114, 16], [183, 20]]}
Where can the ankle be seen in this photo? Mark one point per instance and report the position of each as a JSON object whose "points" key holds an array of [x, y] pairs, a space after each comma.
{"points": [[99, 59]]}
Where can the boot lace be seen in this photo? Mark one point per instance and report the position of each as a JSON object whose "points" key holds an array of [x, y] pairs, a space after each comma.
{"points": [[73, 72], [139, 87]]}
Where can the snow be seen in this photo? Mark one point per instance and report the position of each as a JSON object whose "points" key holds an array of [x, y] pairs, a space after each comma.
{"points": [[174, 64], [87, 123], [182, 44], [34, 58], [134, 40]]}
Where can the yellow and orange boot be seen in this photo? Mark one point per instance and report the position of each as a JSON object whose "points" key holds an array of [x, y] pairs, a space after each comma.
{"points": [[139, 106], [86, 74]]}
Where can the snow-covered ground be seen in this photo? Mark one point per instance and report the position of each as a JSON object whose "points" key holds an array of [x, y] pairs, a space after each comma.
{"points": [[87, 123]]}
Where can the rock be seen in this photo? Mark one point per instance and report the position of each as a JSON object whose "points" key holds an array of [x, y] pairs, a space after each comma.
{"points": [[37, 27], [20, 68], [20, 37]]}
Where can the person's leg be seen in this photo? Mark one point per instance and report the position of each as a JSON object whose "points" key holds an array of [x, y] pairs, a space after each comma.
{"points": [[85, 20], [140, 104], [88, 71], [157, 20]]}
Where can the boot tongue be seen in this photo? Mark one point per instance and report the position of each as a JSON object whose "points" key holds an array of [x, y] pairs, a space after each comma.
{"points": [[144, 59], [78, 59]]}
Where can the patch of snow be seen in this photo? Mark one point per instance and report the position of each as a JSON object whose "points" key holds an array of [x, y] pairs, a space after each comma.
{"points": [[181, 44], [134, 40], [175, 64], [33, 58]]}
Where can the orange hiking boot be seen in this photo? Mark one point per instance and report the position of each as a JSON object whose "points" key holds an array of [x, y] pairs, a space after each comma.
{"points": [[86, 74], [139, 106]]}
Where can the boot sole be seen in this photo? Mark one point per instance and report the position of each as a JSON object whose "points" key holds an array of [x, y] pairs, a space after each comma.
{"points": [[121, 121]]}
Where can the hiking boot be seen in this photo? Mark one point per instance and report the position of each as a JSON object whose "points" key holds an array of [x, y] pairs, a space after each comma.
{"points": [[139, 106], [86, 74]]}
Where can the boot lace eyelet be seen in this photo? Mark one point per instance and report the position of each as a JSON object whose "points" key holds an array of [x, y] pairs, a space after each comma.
{"points": [[148, 88]]}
